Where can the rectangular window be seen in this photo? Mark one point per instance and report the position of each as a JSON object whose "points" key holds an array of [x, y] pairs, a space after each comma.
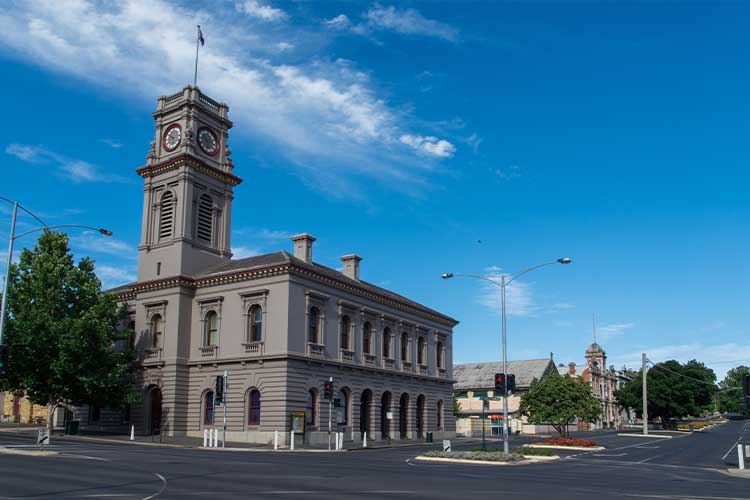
{"points": [[461, 394], [480, 394]]}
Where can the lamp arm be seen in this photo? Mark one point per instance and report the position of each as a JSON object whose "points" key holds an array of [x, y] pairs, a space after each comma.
{"points": [[46, 228]]}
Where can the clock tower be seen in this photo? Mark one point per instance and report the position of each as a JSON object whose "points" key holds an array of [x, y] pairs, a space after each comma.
{"points": [[188, 188]]}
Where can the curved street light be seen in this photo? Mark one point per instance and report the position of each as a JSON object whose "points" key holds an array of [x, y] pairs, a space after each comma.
{"points": [[13, 237], [504, 282]]}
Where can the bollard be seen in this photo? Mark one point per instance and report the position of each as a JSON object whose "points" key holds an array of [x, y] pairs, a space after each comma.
{"points": [[275, 440], [364, 439], [205, 437], [291, 443], [216, 438], [132, 432], [741, 456]]}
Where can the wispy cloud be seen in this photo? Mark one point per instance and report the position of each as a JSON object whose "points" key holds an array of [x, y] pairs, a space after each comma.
{"points": [[611, 330], [519, 300], [264, 12], [242, 252], [720, 357], [402, 21], [429, 145], [113, 276], [325, 116], [98, 243], [72, 169], [111, 143], [508, 173]]}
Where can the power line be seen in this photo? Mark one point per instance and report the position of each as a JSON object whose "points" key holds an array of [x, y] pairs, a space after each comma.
{"points": [[680, 374]]}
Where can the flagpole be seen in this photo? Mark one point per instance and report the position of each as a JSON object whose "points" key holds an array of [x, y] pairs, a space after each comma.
{"points": [[197, 41]]}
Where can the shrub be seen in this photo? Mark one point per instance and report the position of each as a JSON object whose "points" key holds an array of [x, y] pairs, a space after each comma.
{"points": [[541, 452], [489, 456], [585, 443]]}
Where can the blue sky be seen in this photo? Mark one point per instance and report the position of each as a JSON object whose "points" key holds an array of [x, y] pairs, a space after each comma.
{"points": [[427, 137]]}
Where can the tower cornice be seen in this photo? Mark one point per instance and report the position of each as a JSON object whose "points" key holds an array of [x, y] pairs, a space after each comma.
{"points": [[187, 160]]}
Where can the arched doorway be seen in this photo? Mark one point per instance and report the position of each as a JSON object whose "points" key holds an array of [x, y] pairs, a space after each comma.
{"points": [[420, 416], [403, 416], [154, 411], [385, 407], [365, 406]]}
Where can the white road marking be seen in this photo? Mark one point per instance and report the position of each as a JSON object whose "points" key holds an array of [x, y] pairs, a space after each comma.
{"points": [[734, 447], [608, 454], [163, 487]]}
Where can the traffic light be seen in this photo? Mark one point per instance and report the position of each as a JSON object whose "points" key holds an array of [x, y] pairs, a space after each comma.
{"points": [[3, 360], [328, 390], [499, 383], [511, 382], [219, 392]]}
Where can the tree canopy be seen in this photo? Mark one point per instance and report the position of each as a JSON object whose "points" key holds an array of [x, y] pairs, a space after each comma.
{"points": [[675, 390], [730, 390], [61, 331], [558, 400]]}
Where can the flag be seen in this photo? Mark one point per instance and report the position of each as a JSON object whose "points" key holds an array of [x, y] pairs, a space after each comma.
{"points": [[200, 37]]}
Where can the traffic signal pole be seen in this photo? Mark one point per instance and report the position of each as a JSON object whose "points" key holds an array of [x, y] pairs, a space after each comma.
{"points": [[645, 395], [224, 404], [330, 410], [7, 268]]}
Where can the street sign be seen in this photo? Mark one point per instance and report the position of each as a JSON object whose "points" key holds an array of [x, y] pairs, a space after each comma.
{"points": [[42, 437], [446, 445]]}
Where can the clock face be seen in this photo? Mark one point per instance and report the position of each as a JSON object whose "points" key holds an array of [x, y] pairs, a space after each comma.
{"points": [[172, 137], [208, 141]]}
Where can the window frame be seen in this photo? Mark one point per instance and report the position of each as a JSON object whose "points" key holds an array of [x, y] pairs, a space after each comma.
{"points": [[367, 338], [255, 325], [313, 325], [156, 334], [208, 330], [387, 343], [405, 341], [208, 397], [420, 350], [252, 408], [345, 326]]}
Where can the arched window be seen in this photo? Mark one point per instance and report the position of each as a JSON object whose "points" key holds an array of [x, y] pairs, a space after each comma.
{"points": [[131, 335], [420, 350], [346, 325], [211, 329], [342, 410], [166, 215], [440, 414], [312, 327], [439, 355], [255, 319], [157, 326], [311, 412], [367, 338], [253, 411], [208, 408], [387, 343], [404, 346], [205, 218]]}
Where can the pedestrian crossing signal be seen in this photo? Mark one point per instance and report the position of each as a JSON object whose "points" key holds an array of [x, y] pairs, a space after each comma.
{"points": [[219, 392], [328, 390]]}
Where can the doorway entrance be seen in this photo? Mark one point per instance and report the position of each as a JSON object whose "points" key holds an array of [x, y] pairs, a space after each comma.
{"points": [[154, 420], [403, 416]]}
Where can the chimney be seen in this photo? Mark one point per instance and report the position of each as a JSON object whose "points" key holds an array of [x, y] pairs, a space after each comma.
{"points": [[571, 368], [351, 265], [303, 244]]}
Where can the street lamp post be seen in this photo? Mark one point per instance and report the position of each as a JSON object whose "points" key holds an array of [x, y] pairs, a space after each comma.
{"points": [[13, 237], [504, 282]]}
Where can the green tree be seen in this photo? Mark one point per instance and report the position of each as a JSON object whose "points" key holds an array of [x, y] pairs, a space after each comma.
{"points": [[61, 332], [558, 400], [456, 406], [730, 390], [675, 390]]}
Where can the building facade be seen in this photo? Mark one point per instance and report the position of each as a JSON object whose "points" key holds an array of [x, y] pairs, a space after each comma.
{"points": [[475, 384], [279, 324]]}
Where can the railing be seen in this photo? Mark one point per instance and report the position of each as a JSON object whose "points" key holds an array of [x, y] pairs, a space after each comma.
{"points": [[346, 356], [368, 359], [208, 351], [254, 348], [316, 350], [152, 355], [173, 98], [406, 366], [209, 102], [388, 363], [423, 370]]}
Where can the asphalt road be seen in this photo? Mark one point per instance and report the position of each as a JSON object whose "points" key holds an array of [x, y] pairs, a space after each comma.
{"points": [[685, 467]]}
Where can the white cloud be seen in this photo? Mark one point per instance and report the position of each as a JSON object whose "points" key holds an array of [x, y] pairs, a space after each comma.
{"points": [[241, 252], [609, 331], [74, 170], [111, 143], [98, 243], [508, 173], [408, 22], [429, 145], [260, 11], [519, 300], [325, 117], [113, 276], [340, 22], [284, 46]]}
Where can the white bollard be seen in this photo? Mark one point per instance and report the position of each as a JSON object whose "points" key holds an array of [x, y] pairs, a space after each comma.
{"points": [[741, 456], [205, 437], [275, 440], [291, 443], [132, 432], [338, 441], [341, 441], [364, 439], [216, 438]]}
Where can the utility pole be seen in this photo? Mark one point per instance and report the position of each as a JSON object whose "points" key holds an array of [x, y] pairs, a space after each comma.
{"points": [[645, 395], [7, 268], [506, 445], [224, 431], [484, 444]]}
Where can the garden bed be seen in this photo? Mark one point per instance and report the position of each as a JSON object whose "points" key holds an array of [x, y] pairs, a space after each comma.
{"points": [[492, 457], [566, 444]]}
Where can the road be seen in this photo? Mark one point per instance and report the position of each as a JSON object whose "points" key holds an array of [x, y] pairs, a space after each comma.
{"points": [[685, 467]]}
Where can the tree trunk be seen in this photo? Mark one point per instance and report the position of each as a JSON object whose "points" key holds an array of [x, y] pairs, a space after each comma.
{"points": [[50, 415]]}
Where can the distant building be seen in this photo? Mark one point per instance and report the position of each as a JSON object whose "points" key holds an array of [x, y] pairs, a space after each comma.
{"points": [[475, 382], [604, 381], [19, 410]]}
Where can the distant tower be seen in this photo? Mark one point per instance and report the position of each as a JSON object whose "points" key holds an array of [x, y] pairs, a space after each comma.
{"points": [[188, 188], [596, 358]]}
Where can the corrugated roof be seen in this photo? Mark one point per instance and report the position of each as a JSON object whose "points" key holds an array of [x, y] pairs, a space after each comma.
{"points": [[482, 375], [282, 257]]}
